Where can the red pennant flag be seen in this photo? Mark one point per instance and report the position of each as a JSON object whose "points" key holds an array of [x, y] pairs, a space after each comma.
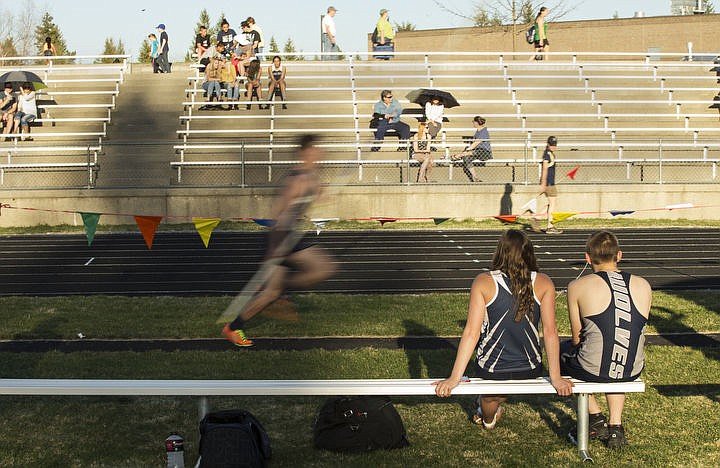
{"points": [[148, 225], [506, 218], [572, 173]]}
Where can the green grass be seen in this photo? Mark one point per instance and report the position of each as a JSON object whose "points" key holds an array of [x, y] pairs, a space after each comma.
{"points": [[321, 315], [675, 423], [574, 223]]}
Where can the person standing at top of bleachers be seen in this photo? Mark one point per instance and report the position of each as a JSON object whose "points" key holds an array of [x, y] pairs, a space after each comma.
{"points": [[329, 41], [202, 42], [226, 35], [387, 111], [48, 48], [8, 107], [385, 31], [252, 39], [154, 51], [163, 62], [542, 45], [254, 27]]}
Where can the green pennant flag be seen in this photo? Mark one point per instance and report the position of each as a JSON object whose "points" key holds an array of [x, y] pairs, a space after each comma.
{"points": [[90, 220], [439, 220]]}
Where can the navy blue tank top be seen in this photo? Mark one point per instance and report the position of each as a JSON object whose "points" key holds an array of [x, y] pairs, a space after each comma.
{"points": [[612, 343], [506, 345]]}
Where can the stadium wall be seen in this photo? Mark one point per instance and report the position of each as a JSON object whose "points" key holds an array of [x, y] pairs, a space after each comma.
{"points": [[668, 34], [460, 201]]}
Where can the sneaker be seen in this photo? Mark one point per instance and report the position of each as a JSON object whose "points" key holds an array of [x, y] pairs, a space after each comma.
{"points": [[616, 437], [236, 337], [478, 419], [598, 429], [553, 230]]}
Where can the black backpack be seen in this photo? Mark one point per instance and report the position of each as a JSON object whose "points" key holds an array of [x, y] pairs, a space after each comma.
{"points": [[359, 424], [530, 35], [375, 38], [233, 438]]}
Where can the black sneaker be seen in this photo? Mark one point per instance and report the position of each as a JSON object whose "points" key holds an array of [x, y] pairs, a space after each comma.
{"points": [[598, 429], [616, 437]]}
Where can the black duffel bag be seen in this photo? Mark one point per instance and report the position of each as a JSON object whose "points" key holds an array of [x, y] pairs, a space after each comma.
{"points": [[233, 438], [359, 424]]}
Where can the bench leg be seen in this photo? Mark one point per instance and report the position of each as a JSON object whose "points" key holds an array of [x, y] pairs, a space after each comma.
{"points": [[583, 426], [203, 408]]}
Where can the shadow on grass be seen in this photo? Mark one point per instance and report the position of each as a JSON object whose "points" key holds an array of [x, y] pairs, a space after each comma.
{"points": [[712, 391], [670, 322]]}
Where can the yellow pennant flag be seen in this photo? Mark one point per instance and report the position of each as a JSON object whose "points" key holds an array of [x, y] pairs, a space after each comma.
{"points": [[205, 228], [562, 216]]}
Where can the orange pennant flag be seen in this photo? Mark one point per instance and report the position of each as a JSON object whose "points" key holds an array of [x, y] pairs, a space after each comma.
{"points": [[506, 218], [148, 225], [205, 228]]}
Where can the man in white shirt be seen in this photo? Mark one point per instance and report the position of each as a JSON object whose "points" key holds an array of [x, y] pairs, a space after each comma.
{"points": [[328, 34]]}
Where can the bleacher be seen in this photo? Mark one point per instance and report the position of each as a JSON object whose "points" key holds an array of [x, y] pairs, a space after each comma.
{"points": [[627, 118], [74, 112]]}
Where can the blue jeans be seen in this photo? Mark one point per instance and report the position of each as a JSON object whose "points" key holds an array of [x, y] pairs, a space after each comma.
{"points": [[213, 87], [24, 118], [233, 92], [328, 46]]}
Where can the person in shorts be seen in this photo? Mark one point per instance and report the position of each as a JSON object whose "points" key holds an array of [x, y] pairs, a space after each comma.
{"points": [[507, 305], [8, 107], [608, 313], [541, 42], [547, 183], [27, 110]]}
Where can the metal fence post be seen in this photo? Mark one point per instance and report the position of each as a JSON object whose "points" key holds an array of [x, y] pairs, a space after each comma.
{"points": [[660, 165], [89, 168], [242, 164]]}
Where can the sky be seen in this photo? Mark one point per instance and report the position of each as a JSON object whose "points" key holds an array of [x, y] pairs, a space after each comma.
{"points": [[85, 24]]}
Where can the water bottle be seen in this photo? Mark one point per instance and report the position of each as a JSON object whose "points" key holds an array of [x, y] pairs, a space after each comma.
{"points": [[175, 451]]}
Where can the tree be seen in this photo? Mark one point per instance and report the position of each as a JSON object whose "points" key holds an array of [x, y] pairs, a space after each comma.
{"points": [[144, 53], [289, 48], [112, 48], [482, 18], [48, 28], [404, 26], [273, 46], [7, 49]]}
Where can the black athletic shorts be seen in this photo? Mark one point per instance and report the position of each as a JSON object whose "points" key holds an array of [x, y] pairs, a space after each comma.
{"points": [[511, 375]]}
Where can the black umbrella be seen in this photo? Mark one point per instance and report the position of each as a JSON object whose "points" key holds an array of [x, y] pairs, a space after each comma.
{"points": [[20, 77], [423, 95]]}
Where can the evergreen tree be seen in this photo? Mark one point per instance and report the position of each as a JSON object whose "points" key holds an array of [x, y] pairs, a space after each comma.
{"points": [[144, 53], [273, 47], [112, 48], [289, 48], [404, 26], [47, 28], [7, 49]]}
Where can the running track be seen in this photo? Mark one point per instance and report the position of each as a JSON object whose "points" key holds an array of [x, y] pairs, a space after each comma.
{"points": [[381, 261]]}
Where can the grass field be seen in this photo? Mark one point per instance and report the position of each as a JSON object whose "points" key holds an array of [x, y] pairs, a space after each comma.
{"points": [[675, 423]]}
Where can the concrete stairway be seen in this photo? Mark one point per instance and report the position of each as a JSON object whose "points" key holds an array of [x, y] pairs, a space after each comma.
{"points": [[138, 148]]}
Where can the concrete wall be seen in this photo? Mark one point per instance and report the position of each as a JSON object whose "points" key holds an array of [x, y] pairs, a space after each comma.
{"points": [[461, 201], [667, 33]]}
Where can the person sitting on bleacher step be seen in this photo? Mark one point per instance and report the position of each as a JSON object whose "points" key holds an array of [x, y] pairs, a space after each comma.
{"points": [[213, 74], [27, 110], [387, 113], [8, 107]]}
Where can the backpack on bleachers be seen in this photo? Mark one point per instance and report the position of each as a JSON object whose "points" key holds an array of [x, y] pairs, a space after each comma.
{"points": [[233, 438], [359, 424], [530, 35], [375, 38]]}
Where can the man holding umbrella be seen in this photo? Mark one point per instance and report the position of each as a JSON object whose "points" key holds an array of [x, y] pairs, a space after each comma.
{"points": [[8, 107], [388, 110]]}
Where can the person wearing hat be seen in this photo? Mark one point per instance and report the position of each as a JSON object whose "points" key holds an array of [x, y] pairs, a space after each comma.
{"points": [[329, 43], [162, 59], [547, 183], [385, 31]]}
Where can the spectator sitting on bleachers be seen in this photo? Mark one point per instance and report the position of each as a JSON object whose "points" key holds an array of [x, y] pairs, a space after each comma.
{"points": [[387, 111], [241, 61], [27, 110], [8, 107], [231, 82], [253, 75], [252, 38], [202, 43], [479, 149], [226, 35], [434, 111], [276, 73], [421, 152], [213, 75]]}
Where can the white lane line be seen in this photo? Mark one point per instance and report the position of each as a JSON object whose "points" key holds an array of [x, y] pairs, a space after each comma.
{"points": [[89, 261]]}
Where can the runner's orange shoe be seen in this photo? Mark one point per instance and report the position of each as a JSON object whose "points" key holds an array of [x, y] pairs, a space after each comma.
{"points": [[236, 337]]}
